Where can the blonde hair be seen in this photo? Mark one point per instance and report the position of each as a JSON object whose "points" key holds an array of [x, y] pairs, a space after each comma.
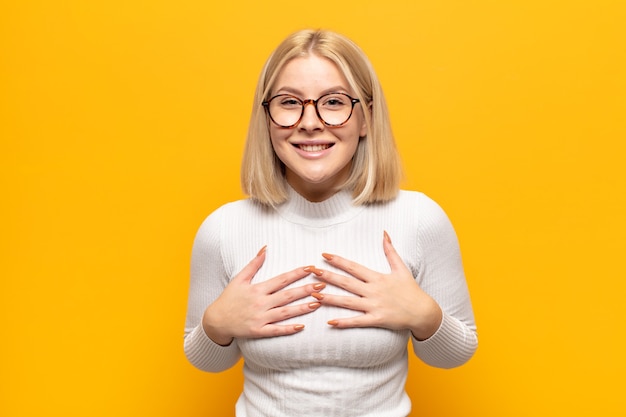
{"points": [[376, 169]]}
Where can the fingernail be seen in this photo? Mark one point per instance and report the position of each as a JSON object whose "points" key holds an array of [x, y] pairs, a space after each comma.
{"points": [[333, 322], [314, 270], [317, 296], [298, 327], [327, 256], [319, 286], [315, 305], [386, 236], [262, 251]]}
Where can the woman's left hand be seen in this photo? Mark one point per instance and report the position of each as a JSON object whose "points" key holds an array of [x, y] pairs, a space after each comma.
{"points": [[392, 301]]}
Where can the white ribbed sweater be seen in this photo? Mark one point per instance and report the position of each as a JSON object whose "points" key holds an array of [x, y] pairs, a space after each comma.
{"points": [[324, 371]]}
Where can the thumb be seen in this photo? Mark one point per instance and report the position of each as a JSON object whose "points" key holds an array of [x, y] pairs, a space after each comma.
{"points": [[393, 258], [249, 271]]}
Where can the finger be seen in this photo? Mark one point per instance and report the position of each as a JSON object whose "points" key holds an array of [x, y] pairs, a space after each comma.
{"points": [[395, 261], [279, 314], [284, 297], [353, 268], [274, 330], [357, 321], [281, 281], [348, 302], [249, 271], [355, 286]]}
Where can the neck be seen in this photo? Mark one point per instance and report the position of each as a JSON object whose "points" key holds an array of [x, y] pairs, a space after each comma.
{"points": [[318, 191]]}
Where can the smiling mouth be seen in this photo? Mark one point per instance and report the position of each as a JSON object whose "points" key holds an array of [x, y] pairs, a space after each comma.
{"points": [[314, 148]]}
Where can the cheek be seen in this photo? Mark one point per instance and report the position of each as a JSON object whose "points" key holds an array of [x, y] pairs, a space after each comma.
{"points": [[353, 136], [278, 136]]}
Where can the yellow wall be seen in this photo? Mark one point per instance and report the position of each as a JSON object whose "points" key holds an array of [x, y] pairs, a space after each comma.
{"points": [[121, 128]]}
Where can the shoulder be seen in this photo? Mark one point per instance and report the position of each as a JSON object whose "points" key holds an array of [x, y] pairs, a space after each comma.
{"points": [[235, 209], [428, 215], [433, 224], [228, 213], [409, 205], [418, 202]]}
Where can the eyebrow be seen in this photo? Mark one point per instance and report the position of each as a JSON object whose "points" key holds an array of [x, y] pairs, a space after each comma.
{"points": [[296, 92]]}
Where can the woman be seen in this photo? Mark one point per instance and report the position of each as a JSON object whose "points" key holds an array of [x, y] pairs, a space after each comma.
{"points": [[323, 313]]}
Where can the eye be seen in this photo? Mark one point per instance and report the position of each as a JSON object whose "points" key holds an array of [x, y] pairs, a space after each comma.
{"points": [[334, 101], [288, 102]]}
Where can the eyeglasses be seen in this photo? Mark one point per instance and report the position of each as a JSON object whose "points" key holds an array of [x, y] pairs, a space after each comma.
{"points": [[333, 109]]}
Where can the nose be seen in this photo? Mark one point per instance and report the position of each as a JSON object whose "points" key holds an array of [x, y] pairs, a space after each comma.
{"points": [[310, 121]]}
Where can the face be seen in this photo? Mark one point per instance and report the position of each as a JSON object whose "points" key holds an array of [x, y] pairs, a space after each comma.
{"points": [[317, 157]]}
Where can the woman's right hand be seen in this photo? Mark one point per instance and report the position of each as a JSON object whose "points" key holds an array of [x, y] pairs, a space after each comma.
{"points": [[247, 310]]}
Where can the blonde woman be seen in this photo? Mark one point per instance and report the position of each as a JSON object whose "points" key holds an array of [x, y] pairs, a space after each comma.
{"points": [[303, 279]]}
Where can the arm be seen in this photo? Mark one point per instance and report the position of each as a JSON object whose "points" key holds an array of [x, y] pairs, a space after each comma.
{"points": [[434, 306], [441, 276], [222, 309], [208, 280]]}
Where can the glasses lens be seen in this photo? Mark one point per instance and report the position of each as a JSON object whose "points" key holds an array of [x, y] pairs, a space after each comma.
{"points": [[335, 108], [285, 110]]}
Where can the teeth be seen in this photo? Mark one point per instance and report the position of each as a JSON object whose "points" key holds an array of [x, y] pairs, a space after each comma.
{"points": [[313, 148]]}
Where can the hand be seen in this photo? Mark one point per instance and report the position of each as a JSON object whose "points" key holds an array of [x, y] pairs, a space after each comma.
{"points": [[391, 301], [249, 310]]}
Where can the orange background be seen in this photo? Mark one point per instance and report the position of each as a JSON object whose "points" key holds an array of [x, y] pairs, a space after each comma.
{"points": [[122, 126]]}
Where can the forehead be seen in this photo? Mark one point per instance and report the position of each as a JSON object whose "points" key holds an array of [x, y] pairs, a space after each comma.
{"points": [[310, 74]]}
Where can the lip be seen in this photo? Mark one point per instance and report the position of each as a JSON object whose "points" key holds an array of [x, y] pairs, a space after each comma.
{"points": [[313, 149]]}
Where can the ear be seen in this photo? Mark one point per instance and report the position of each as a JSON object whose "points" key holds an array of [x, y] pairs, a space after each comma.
{"points": [[363, 131]]}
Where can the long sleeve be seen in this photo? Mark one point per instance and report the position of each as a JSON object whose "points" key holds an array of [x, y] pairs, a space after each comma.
{"points": [[328, 371], [208, 280], [441, 276]]}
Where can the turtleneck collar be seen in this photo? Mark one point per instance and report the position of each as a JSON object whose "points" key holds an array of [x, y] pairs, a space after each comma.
{"points": [[336, 209]]}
